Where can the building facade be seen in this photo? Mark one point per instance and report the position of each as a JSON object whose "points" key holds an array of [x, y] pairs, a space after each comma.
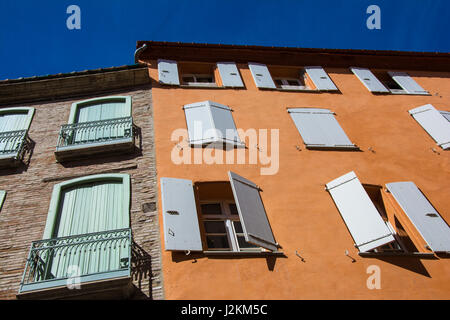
{"points": [[78, 202], [289, 173]]}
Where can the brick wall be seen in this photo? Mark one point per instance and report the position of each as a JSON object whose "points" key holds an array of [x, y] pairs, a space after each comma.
{"points": [[29, 189]]}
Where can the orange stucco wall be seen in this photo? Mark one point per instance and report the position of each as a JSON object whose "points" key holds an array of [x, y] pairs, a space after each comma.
{"points": [[302, 214]]}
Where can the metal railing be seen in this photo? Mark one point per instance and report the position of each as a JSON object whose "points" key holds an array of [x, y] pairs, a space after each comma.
{"points": [[95, 132], [88, 257], [13, 142]]}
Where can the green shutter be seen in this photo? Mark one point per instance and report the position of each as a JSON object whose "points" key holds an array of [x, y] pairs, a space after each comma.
{"points": [[101, 110], [2, 198], [13, 121]]}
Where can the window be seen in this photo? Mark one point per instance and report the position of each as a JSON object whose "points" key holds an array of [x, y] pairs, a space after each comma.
{"points": [[436, 123], [376, 219], [87, 228], [14, 140], [371, 82], [395, 82], [319, 129], [198, 79], [211, 124], [231, 214], [223, 229], [96, 126], [291, 78], [197, 74]]}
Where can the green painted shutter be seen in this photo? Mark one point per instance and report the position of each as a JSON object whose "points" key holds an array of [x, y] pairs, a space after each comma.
{"points": [[11, 122], [106, 110], [2, 198], [90, 208]]}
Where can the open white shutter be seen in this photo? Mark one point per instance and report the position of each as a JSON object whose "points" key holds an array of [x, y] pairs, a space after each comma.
{"points": [[363, 220], [445, 114], [252, 214], [199, 123], [319, 128], [436, 124], [224, 124], [229, 74], [407, 83], [261, 75], [168, 72], [320, 78], [181, 228], [433, 229], [369, 80], [2, 198]]}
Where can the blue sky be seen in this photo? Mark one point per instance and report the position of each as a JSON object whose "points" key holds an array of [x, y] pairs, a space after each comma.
{"points": [[34, 39]]}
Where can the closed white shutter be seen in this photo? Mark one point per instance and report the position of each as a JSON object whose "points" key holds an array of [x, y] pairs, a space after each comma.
{"points": [[210, 122], [369, 80], [436, 124], [321, 78], [168, 72], [359, 213], [181, 228], [433, 229], [252, 214], [407, 83], [229, 74], [319, 128], [261, 75]]}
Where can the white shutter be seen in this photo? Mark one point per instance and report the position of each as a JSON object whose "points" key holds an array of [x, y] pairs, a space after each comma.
{"points": [[199, 123], [319, 128], [407, 83], [433, 229], [2, 198], [224, 124], [261, 75], [181, 227], [252, 214], [229, 74], [211, 122], [168, 72], [369, 80], [359, 213], [320, 78], [436, 124], [445, 114]]}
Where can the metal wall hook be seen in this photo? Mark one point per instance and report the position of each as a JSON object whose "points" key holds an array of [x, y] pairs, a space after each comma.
{"points": [[371, 149], [298, 148], [347, 254], [298, 255], [435, 151]]}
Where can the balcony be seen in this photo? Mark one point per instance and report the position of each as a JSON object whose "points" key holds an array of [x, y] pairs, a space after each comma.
{"points": [[99, 262], [14, 145], [86, 138]]}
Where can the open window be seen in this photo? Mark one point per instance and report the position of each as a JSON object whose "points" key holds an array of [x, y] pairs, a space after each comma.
{"points": [[378, 221], [215, 216], [194, 74], [198, 74], [394, 82], [291, 78]]}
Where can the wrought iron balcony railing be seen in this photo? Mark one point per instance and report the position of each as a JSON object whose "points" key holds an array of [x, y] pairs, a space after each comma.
{"points": [[14, 145], [69, 261], [95, 132]]}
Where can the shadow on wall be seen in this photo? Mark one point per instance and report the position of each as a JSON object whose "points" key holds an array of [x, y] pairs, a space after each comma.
{"points": [[270, 259], [141, 270]]}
